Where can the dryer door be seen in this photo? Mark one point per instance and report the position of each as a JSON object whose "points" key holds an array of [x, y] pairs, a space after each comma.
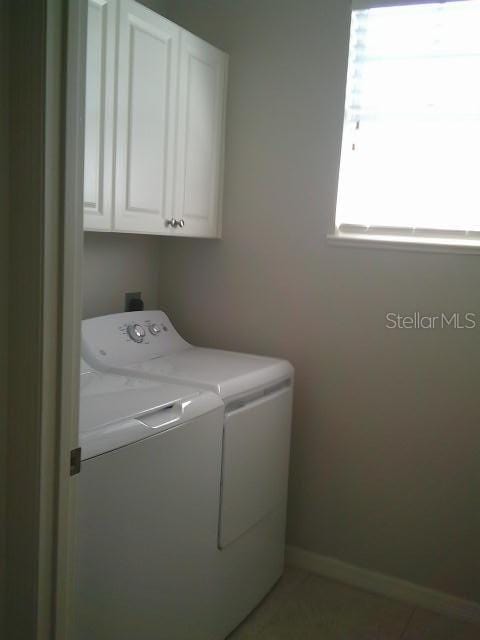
{"points": [[256, 452]]}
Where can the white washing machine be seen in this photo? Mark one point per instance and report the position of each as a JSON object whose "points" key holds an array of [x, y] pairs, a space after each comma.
{"points": [[257, 394], [147, 505]]}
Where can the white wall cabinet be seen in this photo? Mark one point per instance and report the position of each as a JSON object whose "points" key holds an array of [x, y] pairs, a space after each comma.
{"points": [[199, 159], [146, 103], [99, 114], [155, 119]]}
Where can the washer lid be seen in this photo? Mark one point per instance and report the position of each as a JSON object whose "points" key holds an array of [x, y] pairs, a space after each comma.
{"points": [[116, 410], [227, 373]]}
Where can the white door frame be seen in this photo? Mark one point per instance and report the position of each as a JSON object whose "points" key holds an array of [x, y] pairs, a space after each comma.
{"points": [[63, 244], [75, 29]]}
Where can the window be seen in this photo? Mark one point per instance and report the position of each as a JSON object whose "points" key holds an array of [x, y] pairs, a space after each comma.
{"points": [[410, 161]]}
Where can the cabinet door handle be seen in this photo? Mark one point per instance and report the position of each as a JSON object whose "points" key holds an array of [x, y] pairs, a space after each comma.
{"points": [[174, 223]]}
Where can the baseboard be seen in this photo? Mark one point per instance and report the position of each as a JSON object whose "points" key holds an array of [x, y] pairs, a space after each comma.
{"points": [[384, 585]]}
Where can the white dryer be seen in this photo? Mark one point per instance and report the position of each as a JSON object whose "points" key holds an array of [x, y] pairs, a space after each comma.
{"points": [[147, 508], [257, 394]]}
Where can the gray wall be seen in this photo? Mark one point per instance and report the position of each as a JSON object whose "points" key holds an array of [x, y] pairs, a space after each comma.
{"points": [[156, 5], [115, 264], [385, 460], [26, 191], [4, 286]]}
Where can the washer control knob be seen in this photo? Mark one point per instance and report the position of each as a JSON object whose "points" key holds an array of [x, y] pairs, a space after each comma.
{"points": [[136, 332], [154, 329]]}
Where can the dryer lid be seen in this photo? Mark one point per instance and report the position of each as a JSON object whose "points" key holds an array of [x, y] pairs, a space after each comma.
{"points": [[227, 373]]}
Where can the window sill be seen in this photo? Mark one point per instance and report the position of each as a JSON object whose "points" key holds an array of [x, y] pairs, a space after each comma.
{"points": [[440, 244]]}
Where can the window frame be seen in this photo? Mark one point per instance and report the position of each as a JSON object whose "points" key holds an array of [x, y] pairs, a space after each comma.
{"points": [[406, 239]]}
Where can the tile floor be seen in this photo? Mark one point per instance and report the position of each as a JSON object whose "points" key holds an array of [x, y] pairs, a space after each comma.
{"points": [[306, 607]]}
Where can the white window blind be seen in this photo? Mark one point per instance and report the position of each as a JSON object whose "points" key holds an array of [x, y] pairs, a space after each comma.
{"points": [[411, 142]]}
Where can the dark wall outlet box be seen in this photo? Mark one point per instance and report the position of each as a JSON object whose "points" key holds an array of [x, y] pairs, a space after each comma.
{"points": [[131, 295]]}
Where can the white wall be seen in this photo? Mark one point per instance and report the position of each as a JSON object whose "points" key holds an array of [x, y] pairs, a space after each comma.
{"points": [[385, 460]]}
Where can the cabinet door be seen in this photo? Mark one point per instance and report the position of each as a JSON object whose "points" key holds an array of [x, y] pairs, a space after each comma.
{"points": [[99, 113], [147, 72], [200, 138]]}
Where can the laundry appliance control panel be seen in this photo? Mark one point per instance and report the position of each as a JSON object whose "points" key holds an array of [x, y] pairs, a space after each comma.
{"points": [[126, 338], [138, 332]]}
